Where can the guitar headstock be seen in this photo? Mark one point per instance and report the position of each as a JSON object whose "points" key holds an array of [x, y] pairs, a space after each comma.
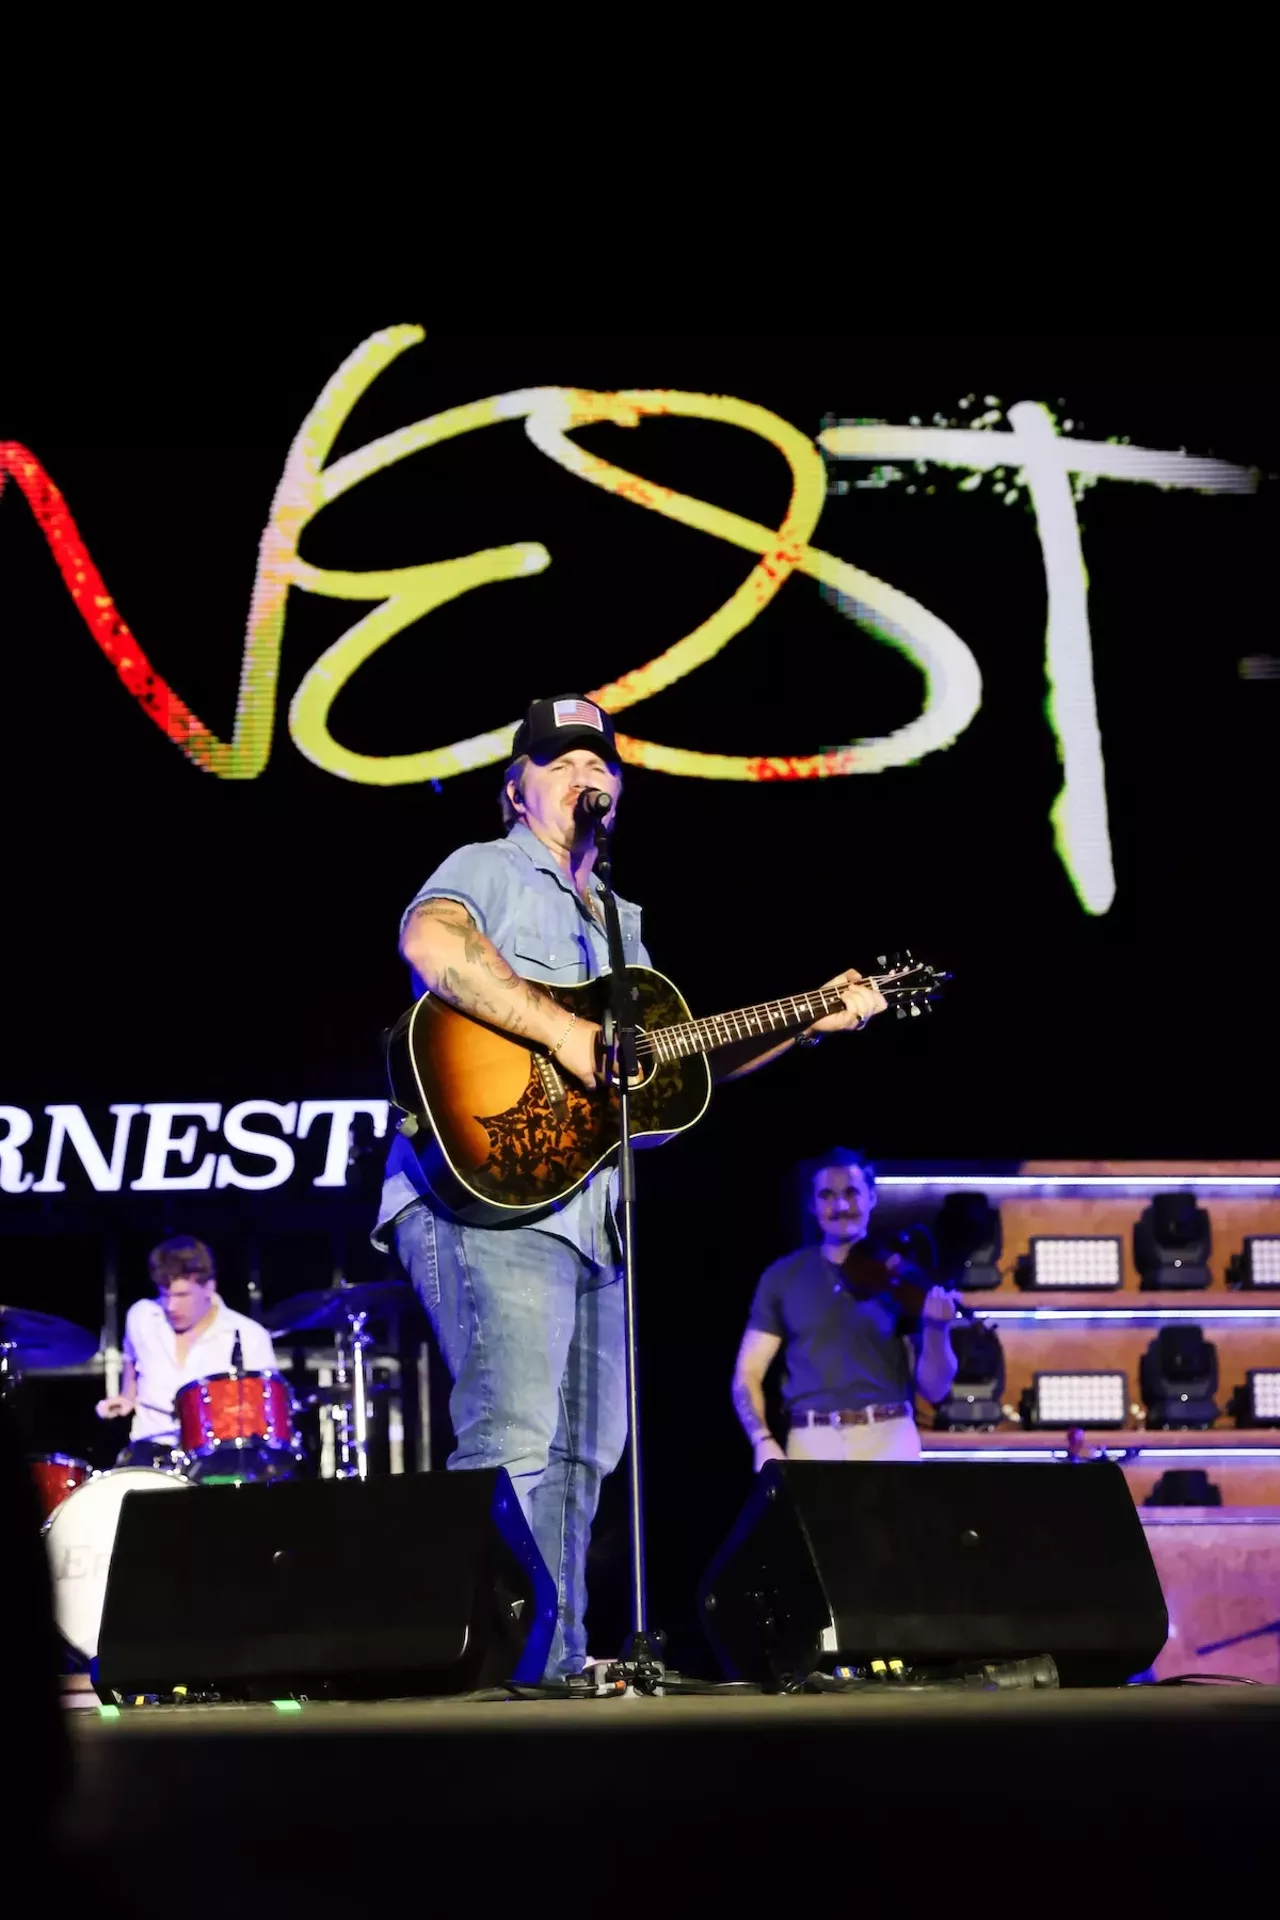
{"points": [[909, 985]]}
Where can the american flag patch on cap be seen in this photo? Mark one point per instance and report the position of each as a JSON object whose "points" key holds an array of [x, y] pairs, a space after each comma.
{"points": [[578, 713]]}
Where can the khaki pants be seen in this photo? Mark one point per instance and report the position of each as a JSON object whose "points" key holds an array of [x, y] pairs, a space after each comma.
{"points": [[887, 1440]]}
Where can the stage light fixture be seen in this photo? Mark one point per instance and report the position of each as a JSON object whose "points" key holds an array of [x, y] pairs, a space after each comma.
{"points": [[1184, 1487], [1172, 1241], [1077, 1261], [1258, 1262], [968, 1237], [1257, 1402], [977, 1391], [1179, 1378], [1076, 1400]]}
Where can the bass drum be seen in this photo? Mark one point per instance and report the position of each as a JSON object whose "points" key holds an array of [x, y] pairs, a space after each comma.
{"points": [[80, 1535]]}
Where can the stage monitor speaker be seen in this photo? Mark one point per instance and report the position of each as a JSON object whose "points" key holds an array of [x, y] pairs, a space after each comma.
{"points": [[340, 1589], [839, 1564]]}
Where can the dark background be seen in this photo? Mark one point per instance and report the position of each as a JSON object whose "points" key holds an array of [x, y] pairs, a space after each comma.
{"points": [[171, 935]]}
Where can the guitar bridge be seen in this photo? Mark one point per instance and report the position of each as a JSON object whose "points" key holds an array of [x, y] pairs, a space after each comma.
{"points": [[552, 1085]]}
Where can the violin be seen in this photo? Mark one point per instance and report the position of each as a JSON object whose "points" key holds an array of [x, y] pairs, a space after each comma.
{"points": [[869, 1271]]}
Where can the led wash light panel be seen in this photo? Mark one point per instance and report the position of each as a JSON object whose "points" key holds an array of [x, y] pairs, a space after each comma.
{"points": [[1265, 1385], [1091, 1399], [1076, 1262], [1264, 1259]]}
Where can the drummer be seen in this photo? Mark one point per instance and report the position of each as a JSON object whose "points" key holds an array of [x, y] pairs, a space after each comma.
{"points": [[187, 1333]]}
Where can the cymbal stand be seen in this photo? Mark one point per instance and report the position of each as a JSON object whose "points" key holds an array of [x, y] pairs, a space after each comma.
{"points": [[359, 1341], [351, 1342]]}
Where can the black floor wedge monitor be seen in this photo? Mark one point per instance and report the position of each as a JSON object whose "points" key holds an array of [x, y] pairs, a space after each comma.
{"points": [[410, 1585], [840, 1564]]}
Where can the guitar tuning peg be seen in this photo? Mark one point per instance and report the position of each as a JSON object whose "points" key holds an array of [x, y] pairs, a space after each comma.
{"points": [[914, 1010], [906, 958], [881, 960], [900, 1013]]}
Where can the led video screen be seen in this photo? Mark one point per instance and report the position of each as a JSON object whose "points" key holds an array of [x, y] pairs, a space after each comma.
{"points": [[960, 647]]}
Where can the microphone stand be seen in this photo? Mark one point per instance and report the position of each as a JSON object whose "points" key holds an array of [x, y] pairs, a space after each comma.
{"points": [[641, 1664]]}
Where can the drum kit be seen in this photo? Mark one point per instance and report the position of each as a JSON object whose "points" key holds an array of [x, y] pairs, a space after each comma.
{"points": [[233, 1427]]}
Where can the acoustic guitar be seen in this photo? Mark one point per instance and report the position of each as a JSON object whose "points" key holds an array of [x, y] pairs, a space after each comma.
{"points": [[502, 1133]]}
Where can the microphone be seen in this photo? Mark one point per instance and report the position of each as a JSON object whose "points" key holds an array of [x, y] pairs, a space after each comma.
{"points": [[591, 806]]}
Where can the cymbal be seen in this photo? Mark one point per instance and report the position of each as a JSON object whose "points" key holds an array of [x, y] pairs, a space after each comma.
{"points": [[333, 1306], [43, 1340]]}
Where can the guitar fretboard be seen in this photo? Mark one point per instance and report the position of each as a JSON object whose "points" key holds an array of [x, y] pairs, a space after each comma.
{"points": [[747, 1023]]}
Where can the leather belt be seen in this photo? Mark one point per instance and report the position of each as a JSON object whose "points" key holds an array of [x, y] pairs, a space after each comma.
{"points": [[853, 1416]]}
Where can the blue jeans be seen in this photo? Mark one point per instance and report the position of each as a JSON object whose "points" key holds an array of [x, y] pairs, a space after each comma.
{"points": [[531, 1331]]}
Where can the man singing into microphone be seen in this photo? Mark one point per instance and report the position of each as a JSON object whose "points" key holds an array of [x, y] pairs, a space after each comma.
{"points": [[529, 1316]]}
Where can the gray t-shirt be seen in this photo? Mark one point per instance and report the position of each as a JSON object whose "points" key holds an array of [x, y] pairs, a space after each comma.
{"points": [[837, 1351]]}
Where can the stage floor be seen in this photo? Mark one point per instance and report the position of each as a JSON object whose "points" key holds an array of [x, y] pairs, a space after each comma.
{"points": [[362, 1804]]}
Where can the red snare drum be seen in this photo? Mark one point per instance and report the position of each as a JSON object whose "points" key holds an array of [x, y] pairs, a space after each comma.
{"points": [[56, 1475], [228, 1409]]}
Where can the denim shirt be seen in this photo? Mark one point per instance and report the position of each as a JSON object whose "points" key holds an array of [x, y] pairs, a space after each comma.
{"points": [[519, 896]]}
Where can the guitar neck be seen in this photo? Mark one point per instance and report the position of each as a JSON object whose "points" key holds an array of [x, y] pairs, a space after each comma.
{"points": [[782, 1016]]}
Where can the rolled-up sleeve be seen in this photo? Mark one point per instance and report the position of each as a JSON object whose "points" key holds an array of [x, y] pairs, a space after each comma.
{"points": [[478, 877]]}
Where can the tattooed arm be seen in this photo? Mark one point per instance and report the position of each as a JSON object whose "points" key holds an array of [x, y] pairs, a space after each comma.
{"points": [[755, 1356], [461, 964]]}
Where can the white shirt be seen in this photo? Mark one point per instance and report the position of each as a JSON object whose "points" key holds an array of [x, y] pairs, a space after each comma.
{"points": [[152, 1345]]}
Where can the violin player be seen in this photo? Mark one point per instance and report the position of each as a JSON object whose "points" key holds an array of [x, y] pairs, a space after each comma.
{"points": [[859, 1335]]}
